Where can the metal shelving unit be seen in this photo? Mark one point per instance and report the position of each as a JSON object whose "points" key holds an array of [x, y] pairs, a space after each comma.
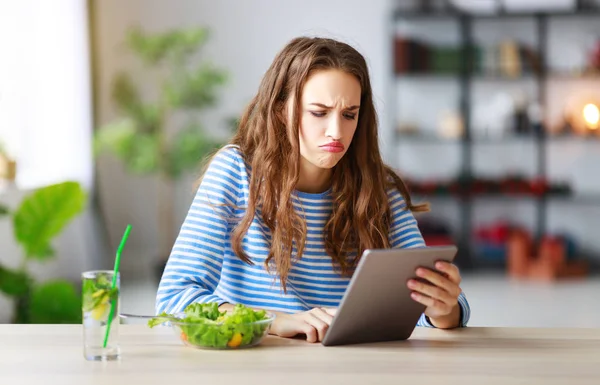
{"points": [[466, 77]]}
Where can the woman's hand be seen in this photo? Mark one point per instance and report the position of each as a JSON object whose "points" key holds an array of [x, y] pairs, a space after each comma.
{"points": [[439, 291], [313, 323]]}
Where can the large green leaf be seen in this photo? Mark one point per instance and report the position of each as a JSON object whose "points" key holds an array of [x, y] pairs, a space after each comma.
{"points": [[13, 283], [55, 302], [197, 89], [148, 119], [127, 98], [125, 94], [43, 215], [144, 156], [176, 45], [137, 150], [189, 149], [117, 137]]}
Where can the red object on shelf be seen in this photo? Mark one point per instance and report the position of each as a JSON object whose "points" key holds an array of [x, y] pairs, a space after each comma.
{"points": [[549, 264], [482, 233], [550, 260], [518, 253], [539, 186], [478, 187], [437, 240], [552, 250], [496, 234], [499, 233], [428, 187]]}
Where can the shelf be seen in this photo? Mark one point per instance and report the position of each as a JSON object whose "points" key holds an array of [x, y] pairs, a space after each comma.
{"points": [[573, 138], [403, 138], [427, 76], [488, 196], [534, 138], [503, 78], [456, 15], [463, 66], [584, 199], [428, 139], [591, 12], [510, 139], [591, 199], [566, 76], [549, 76], [421, 16], [431, 76]]}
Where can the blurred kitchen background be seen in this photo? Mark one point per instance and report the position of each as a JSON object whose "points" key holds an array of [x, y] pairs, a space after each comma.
{"points": [[488, 108]]}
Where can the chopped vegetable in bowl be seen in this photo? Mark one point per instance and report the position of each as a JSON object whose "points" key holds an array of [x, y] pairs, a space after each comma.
{"points": [[202, 325]]}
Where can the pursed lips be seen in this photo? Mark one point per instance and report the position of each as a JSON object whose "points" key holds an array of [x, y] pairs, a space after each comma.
{"points": [[333, 147]]}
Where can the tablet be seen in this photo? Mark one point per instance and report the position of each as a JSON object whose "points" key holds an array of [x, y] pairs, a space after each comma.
{"points": [[377, 305]]}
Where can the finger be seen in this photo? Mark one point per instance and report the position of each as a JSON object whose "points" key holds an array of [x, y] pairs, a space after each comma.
{"points": [[431, 291], [330, 310], [323, 315], [318, 324], [435, 278], [439, 280], [451, 271], [431, 303], [310, 331]]}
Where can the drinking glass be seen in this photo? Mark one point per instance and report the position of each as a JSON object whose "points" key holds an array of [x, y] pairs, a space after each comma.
{"points": [[97, 296]]}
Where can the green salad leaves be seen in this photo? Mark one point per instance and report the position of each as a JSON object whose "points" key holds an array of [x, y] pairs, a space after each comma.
{"points": [[204, 325]]}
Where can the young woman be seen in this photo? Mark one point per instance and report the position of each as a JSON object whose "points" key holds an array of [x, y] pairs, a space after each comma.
{"points": [[285, 210]]}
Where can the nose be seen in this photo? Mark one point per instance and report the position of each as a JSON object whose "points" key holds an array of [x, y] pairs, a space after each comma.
{"points": [[334, 128]]}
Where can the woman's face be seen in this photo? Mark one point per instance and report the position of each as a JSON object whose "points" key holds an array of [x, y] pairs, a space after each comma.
{"points": [[328, 116]]}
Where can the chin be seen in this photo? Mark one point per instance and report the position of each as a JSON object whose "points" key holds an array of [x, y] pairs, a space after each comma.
{"points": [[329, 161], [328, 166]]}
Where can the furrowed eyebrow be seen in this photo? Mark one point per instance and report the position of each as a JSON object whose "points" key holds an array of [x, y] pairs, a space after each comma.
{"points": [[351, 108]]}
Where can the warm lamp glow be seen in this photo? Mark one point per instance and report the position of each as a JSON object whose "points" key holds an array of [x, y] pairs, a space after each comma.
{"points": [[591, 115]]}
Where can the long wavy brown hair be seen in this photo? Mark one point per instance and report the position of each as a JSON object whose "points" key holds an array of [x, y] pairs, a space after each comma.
{"points": [[361, 214]]}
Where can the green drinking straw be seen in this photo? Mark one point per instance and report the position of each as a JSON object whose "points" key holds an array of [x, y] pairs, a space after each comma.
{"points": [[114, 281]]}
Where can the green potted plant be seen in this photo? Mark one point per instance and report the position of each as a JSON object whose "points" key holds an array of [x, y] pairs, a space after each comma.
{"points": [[41, 216], [163, 136]]}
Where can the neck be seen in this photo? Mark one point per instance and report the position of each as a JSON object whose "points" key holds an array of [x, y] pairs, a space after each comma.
{"points": [[313, 179]]}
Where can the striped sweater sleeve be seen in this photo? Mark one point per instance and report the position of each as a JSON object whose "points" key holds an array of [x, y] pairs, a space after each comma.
{"points": [[193, 269], [405, 233]]}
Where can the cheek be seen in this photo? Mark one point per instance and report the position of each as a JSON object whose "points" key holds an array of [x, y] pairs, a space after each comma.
{"points": [[304, 141], [350, 132], [310, 134]]}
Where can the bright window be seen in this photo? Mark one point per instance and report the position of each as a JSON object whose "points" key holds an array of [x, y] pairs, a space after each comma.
{"points": [[45, 90]]}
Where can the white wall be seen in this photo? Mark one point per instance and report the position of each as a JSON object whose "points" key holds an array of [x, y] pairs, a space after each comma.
{"points": [[245, 37]]}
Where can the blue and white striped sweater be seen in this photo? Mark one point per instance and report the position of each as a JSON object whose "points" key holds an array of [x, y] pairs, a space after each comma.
{"points": [[202, 266]]}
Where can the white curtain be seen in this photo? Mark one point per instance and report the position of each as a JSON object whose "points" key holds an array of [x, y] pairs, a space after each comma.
{"points": [[45, 90]]}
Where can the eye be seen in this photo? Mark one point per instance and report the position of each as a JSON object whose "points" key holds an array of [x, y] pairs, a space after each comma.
{"points": [[350, 116], [318, 114]]}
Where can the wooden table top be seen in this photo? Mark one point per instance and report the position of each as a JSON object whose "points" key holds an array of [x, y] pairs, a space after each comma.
{"points": [[53, 354]]}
